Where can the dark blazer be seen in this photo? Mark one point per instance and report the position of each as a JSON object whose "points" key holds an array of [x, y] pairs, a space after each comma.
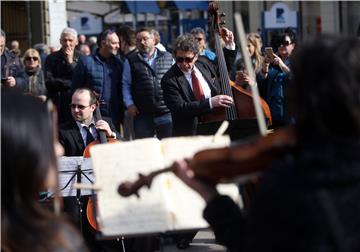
{"points": [[70, 137], [181, 101]]}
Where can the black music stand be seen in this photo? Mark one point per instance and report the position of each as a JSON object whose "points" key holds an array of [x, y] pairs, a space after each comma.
{"points": [[76, 172]]}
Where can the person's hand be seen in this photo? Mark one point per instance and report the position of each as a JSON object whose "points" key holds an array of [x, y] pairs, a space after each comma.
{"points": [[184, 173], [268, 59], [242, 78], [278, 62], [69, 54], [103, 125], [227, 36], [10, 81], [132, 110], [221, 101]]}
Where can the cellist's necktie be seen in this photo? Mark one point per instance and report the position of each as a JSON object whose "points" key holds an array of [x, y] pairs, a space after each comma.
{"points": [[196, 86], [89, 136]]}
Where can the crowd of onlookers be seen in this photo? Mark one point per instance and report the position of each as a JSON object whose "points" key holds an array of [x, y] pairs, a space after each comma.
{"points": [[307, 196], [54, 74]]}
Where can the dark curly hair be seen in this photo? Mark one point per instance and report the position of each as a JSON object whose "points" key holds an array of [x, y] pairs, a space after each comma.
{"points": [[186, 42]]}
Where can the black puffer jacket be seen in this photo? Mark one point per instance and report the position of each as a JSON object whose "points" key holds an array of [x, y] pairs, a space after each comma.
{"points": [[308, 201], [146, 89]]}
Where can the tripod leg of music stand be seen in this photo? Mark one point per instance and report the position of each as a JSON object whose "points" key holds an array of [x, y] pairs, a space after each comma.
{"points": [[78, 197]]}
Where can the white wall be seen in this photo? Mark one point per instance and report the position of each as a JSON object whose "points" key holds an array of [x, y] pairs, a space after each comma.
{"points": [[57, 20]]}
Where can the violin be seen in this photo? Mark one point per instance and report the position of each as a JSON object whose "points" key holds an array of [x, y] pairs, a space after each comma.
{"points": [[229, 164]]}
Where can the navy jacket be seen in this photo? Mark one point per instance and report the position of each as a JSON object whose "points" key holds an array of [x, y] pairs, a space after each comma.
{"points": [[92, 72]]}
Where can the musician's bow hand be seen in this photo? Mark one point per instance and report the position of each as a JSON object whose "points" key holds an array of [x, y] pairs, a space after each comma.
{"points": [[183, 171], [221, 101]]}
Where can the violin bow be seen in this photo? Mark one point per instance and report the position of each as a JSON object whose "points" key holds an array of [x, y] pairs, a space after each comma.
{"points": [[254, 88]]}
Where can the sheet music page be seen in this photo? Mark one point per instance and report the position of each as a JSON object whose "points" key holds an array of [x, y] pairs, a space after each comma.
{"points": [[184, 204], [119, 162], [175, 148], [67, 167], [168, 205]]}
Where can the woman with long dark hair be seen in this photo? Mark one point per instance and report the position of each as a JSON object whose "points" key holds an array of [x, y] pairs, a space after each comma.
{"points": [[29, 166]]}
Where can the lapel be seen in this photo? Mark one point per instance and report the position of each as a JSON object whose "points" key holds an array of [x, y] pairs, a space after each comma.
{"points": [[207, 76], [75, 134], [184, 84]]}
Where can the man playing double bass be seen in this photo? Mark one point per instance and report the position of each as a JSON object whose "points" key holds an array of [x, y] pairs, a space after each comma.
{"points": [[191, 88]]}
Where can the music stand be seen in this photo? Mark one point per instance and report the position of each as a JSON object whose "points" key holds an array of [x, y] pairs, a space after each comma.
{"points": [[75, 170]]}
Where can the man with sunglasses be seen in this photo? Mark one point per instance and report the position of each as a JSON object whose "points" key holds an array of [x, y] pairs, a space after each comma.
{"points": [[191, 88], [143, 96], [74, 134]]}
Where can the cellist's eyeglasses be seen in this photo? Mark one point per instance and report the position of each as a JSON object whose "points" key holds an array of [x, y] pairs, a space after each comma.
{"points": [[80, 107]]}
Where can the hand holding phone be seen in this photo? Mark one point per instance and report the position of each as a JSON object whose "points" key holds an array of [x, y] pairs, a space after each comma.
{"points": [[269, 53]]}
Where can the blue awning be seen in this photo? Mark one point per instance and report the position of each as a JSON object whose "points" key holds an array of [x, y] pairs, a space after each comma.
{"points": [[189, 5], [142, 7]]}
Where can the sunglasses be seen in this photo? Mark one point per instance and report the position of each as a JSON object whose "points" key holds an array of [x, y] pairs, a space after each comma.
{"points": [[32, 58], [285, 43], [80, 107], [186, 59], [199, 39]]}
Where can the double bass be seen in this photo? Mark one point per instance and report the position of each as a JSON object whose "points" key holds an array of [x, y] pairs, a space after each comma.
{"points": [[246, 105]]}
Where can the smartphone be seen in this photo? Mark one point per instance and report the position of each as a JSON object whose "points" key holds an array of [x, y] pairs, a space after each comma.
{"points": [[269, 52]]}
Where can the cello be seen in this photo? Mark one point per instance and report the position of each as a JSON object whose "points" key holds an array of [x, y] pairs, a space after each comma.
{"points": [[246, 105], [91, 206]]}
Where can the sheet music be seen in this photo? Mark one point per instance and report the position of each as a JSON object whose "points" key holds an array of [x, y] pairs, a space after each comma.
{"points": [[185, 147], [118, 162], [168, 205], [67, 168]]}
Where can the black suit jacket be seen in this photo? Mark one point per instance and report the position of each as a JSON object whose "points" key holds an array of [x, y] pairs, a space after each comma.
{"points": [[180, 99], [70, 137]]}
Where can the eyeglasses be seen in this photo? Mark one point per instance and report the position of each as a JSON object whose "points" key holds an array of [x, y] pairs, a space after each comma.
{"points": [[285, 43], [80, 107], [186, 59], [32, 58]]}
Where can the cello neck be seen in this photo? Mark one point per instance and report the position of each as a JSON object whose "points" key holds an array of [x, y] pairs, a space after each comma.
{"points": [[102, 135]]}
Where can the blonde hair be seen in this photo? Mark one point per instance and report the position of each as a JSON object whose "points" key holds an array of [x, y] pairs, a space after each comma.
{"points": [[31, 52], [255, 40]]}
